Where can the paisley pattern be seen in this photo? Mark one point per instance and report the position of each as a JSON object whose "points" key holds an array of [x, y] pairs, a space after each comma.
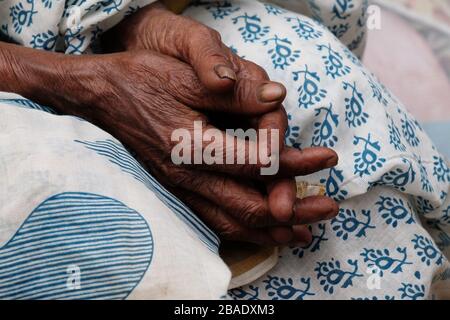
{"points": [[389, 171], [38, 23], [98, 239]]}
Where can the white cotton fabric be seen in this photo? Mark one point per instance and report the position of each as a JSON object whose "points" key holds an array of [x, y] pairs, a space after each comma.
{"points": [[69, 26]]}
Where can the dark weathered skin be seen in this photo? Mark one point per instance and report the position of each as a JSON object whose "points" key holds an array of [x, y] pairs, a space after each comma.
{"points": [[165, 80]]}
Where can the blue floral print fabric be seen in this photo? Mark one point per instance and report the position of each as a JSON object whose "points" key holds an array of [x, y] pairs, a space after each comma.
{"points": [[69, 26], [391, 236]]}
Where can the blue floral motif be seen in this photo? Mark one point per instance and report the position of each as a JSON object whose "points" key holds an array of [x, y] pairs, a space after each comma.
{"points": [[131, 10], [21, 16], [315, 11], [107, 6], [394, 210], [351, 56], [426, 250], [74, 41], [441, 171], [382, 260], [309, 91], [409, 131], [357, 41], [281, 54], [426, 184], [241, 294], [283, 289], [47, 3], [354, 115], [111, 6], [331, 274], [374, 298], [377, 90], [324, 131], [341, 9], [397, 178], [317, 239], [367, 161], [395, 136], [271, 9], [221, 10], [424, 206], [333, 60], [331, 183], [252, 29], [340, 29], [4, 29], [70, 4], [44, 40], [304, 28], [347, 222], [292, 135], [446, 215], [96, 32], [411, 291]]}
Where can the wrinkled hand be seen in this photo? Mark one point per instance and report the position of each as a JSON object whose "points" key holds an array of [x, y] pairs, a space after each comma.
{"points": [[221, 71], [141, 97]]}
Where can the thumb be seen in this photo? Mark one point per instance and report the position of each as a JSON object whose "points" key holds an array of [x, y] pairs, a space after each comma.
{"points": [[211, 59], [183, 38]]}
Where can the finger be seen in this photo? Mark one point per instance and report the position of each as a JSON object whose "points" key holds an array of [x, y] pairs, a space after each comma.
{"points": [[210, 58], [294, 162], [314, 209], [282, 235], [249, 97], [302, 236], [223, 224], [244, 157], [275, 120], [247, 205], [245, 154], [281, 199], [249, 70], [243, 202]]}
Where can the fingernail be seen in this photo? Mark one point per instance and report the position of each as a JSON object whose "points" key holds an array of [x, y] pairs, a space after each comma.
{"points": [[224, 72], [281, 235], [271, 92], [331, 162], [333, 212]]}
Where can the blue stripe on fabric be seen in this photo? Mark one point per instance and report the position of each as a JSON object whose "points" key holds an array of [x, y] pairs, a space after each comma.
{"points": [[119, 156], [25, 103], [114, 263]]}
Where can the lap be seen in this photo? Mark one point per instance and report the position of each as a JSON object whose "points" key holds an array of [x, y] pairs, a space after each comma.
{"points": [[77, 205]]}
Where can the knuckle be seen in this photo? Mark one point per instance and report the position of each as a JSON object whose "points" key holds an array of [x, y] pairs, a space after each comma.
{"points": [[258, 71], [243, 94], [214, 34]]}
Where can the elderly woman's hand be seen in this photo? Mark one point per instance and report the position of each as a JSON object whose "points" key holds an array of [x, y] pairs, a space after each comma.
{"points": [[143, 97], [219, 70]]}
